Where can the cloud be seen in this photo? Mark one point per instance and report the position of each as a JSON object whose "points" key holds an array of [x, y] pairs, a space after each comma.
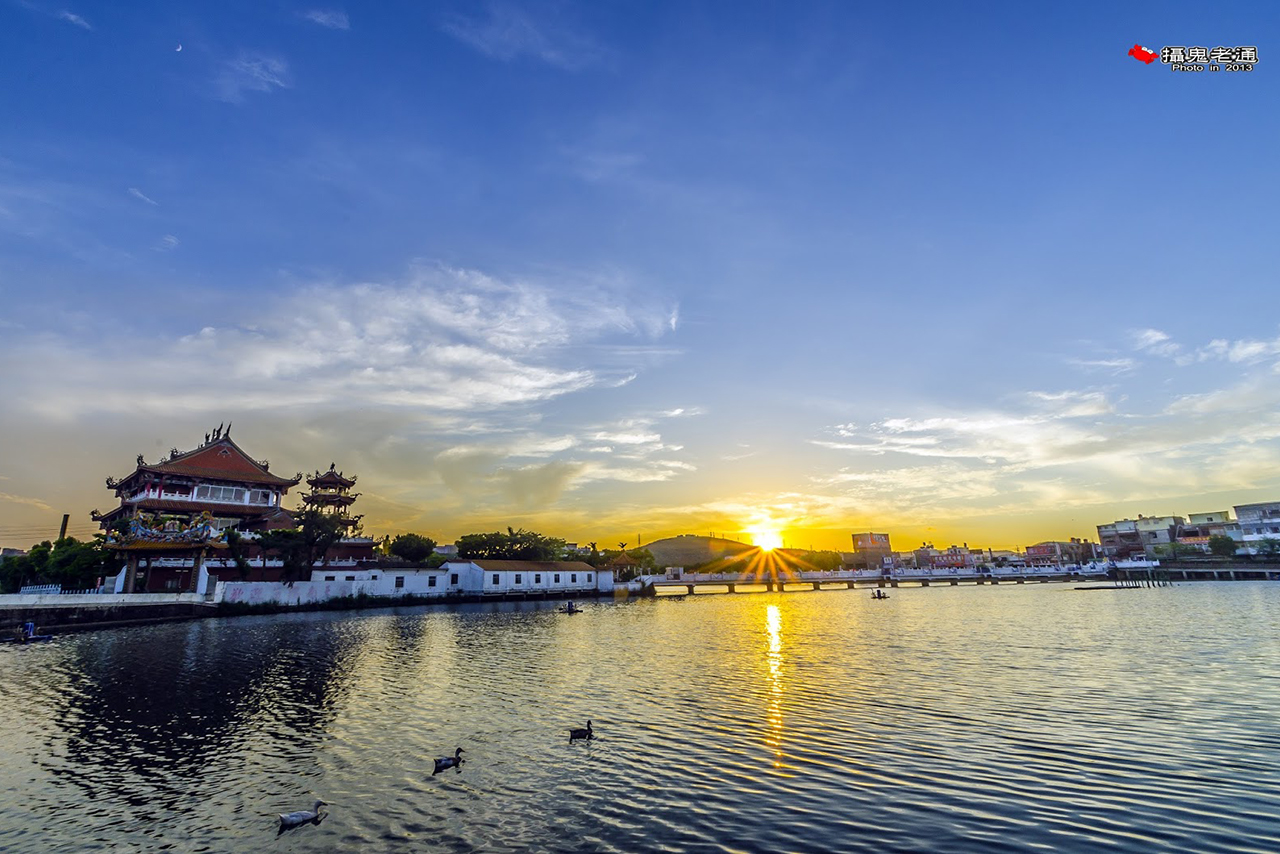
{"points": [[1115, 366], [166, 243], [507, 33], [71, 18], [1155, 342], [250, 72], [20, 499], [444, 340], [138, 194], [331, 18]]}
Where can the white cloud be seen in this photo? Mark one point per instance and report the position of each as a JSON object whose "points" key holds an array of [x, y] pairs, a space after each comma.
{"points": [[507, 33], [250, 72], [1154, 341], [138, 194], [72, 18], [444, 340], [331, 18], [166, 243]]}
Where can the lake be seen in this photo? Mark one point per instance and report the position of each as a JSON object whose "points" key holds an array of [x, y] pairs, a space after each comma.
{"points": [[969, 719]]}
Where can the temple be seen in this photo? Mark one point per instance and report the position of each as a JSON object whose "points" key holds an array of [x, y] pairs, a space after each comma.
{"points": [[172, 523], [330, 494]]}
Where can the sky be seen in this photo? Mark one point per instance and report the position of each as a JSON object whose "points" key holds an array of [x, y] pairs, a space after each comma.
{"points": [[614, 271]]}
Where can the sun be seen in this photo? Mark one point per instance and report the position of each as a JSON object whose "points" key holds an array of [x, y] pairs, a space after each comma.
{"points": [[766, 539]]}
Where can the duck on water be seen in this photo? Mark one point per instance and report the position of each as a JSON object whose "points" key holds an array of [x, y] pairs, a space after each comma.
{"points": [[290, 820], [581, 732], [446, 762]]}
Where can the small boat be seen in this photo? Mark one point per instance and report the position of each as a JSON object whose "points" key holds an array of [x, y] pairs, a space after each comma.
{"points": [[570, 608], [879, 594], [26, 633]]}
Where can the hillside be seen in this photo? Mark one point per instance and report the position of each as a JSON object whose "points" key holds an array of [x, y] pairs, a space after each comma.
{"points": [[691, 550]]}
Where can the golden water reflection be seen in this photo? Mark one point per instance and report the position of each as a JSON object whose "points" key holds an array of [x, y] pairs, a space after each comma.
{"points": [[773, 736]]}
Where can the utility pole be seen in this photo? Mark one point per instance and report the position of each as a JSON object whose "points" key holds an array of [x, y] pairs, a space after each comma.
{"points": [[62, 532]]}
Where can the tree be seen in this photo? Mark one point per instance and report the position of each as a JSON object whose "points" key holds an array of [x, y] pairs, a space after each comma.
{"points": [[1269, 546], [299, 548], [73, 564], [513, 545], [1222, 545], [413, 547]]}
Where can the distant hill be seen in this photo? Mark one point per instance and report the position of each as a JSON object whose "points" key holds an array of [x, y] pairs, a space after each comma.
{"points": [[691, 550]]}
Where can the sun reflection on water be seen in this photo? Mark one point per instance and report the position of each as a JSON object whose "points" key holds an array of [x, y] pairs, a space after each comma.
{"points": [[773, 738]]}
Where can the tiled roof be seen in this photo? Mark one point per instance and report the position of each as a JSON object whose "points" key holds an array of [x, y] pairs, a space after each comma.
{"points": [[221, 459], [331, 478]]}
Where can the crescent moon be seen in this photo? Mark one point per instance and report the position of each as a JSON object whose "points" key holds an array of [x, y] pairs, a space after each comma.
{"points": [[178, 49]]}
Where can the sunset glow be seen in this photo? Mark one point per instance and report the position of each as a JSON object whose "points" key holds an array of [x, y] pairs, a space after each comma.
{"points": [[767, 539]]}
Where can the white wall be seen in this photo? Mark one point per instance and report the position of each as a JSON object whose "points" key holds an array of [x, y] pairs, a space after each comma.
{"points": [[533, 580]]}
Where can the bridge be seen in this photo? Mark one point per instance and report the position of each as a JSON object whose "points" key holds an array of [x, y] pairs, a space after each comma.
{"points": [[718, 582]]}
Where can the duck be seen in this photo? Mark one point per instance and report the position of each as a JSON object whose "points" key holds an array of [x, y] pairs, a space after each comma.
{"points": [[447, 762], [575, 734], [294, 819]]}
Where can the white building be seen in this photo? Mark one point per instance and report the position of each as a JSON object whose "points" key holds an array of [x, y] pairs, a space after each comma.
{"points": [[497, 578], [1258, 522]]}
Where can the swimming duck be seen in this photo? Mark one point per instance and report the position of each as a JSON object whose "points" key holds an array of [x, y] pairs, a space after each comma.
{"points": [[447, 762], [294, 819], [575, 734]]}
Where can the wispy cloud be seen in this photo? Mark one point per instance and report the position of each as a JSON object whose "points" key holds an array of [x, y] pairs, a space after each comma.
{"points": [[166, 243], [72, 18], [21, 499], [138, 194], [508, 33], [444, 340], [1155, 342], [250, 72], [1120, 365], [331, 18]]}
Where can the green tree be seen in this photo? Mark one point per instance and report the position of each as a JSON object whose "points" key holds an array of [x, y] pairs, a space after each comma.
{"points": [[513, 545], [74, 564], [413, 547], [1269, 546], [1222, 545], [300, 548]]}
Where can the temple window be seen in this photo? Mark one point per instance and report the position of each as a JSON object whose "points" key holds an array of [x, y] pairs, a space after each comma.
{"points": [[220, 493]]}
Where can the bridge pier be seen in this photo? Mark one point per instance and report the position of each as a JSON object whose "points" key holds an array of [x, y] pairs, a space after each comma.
{"points": [[768, 586], [731, 588], [893, 583], [690, 588], [817, 585], [1019, 580], [954, 582], [850, 585], [924, 582], [995, 581]]}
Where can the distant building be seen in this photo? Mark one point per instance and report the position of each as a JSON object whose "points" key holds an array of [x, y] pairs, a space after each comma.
{"points": [[1063, 552], [1258, 523], [1146, 536], [1201, 526], [870, 551]]}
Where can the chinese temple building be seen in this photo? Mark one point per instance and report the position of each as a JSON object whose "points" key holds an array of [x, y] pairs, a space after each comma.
{"points": [[174, 516], [331, 494]]}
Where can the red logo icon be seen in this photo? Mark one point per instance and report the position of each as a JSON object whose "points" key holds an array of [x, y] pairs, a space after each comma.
{"points": [[1142, 54]]}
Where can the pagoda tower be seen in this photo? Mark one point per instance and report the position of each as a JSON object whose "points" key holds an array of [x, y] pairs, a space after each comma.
{"points": [[331, 494]]}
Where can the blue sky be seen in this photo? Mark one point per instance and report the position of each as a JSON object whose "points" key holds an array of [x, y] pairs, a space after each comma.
{"points": [[628, 269]]}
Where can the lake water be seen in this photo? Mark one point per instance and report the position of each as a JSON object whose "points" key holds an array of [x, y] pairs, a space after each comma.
{"points": [[970, 719]]}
